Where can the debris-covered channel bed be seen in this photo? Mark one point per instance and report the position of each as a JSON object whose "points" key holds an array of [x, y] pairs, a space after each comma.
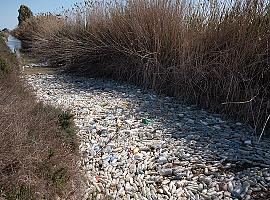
{"points": [[138, 145]]}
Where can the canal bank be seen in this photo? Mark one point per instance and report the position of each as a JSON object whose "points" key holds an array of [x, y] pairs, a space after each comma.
{"points": [[33, 143]]}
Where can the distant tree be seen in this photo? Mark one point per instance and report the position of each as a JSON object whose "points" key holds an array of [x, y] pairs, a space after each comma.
{"points": [[24, 14], [5, 30]]}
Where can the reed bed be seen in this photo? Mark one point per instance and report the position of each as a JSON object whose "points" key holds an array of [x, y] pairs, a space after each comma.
{"points": [[211, 53]]}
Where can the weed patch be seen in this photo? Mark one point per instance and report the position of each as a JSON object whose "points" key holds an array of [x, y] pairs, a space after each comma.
{"points": [[60, 178], [4, 67], [21, 193], [66, 123]]}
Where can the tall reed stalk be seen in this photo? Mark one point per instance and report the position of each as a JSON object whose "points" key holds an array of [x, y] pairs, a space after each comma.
{"points": [[209, 53]]}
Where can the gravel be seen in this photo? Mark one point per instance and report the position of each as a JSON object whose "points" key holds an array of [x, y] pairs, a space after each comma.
{"points": [[138, 145]]}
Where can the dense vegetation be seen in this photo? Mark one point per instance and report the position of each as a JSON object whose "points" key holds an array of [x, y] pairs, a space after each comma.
{"points": [[211, 53], [38, 151], [24, 14]]}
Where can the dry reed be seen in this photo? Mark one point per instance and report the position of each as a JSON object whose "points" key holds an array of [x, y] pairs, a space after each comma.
{"points": [[211, 53]]}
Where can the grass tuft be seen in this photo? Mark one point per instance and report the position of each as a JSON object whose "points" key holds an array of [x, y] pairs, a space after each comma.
{"points": [[60, 178], [4, 67], [66, 123]]}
